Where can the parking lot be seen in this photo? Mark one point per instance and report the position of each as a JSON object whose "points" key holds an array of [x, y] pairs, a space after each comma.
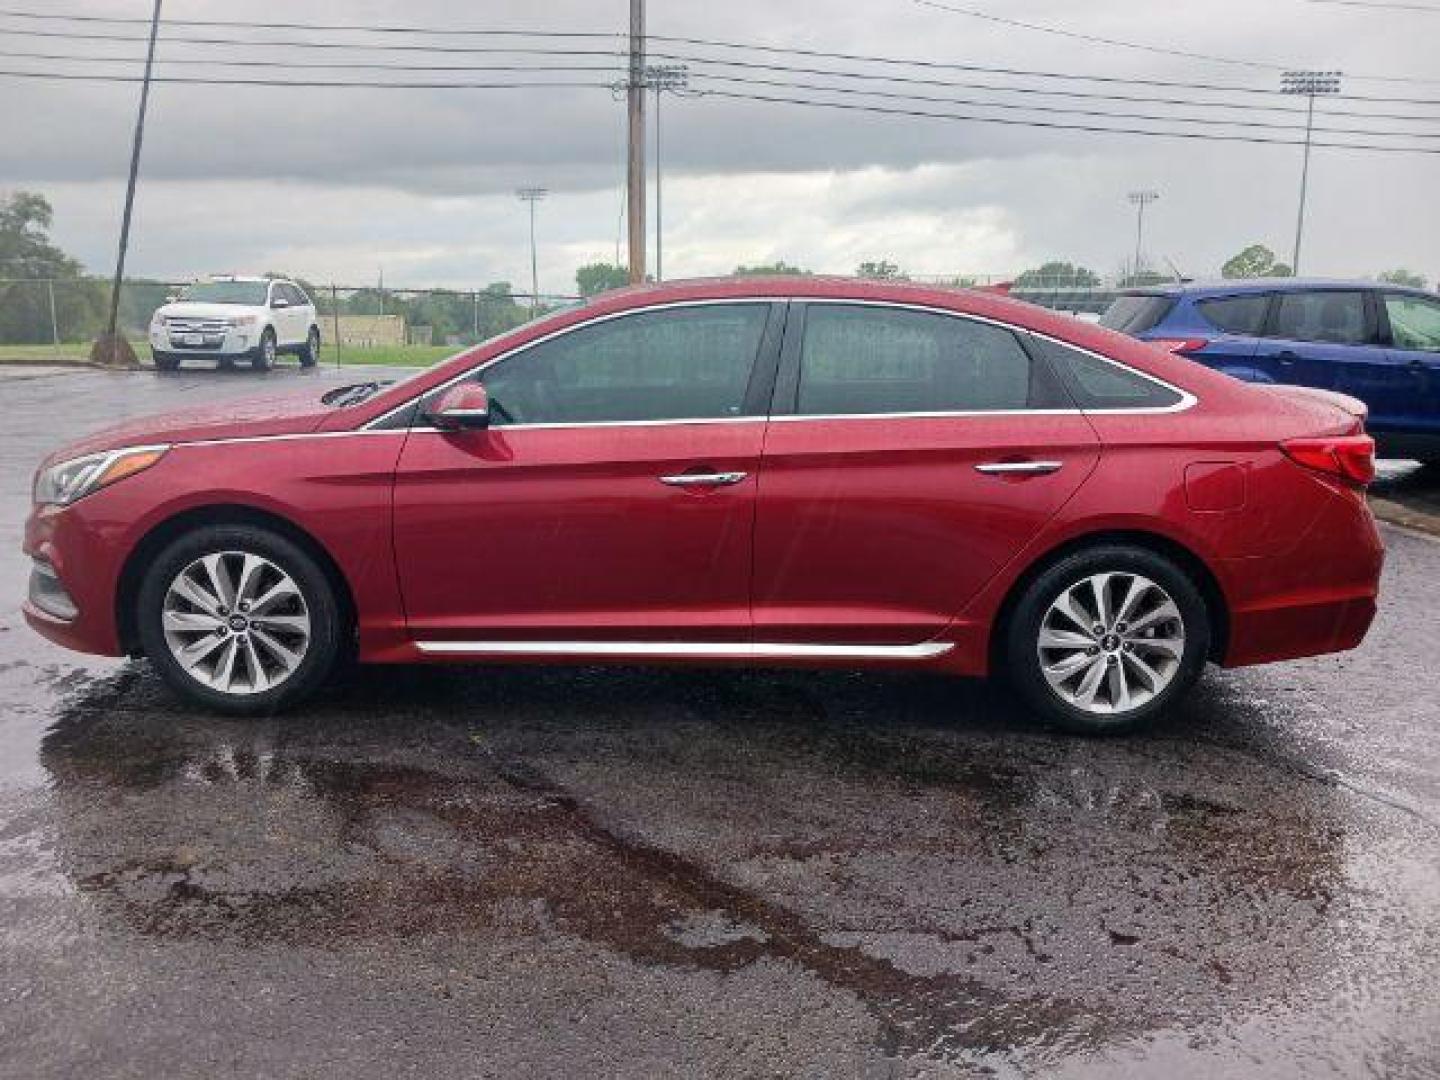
{"points": [[610, 872]]}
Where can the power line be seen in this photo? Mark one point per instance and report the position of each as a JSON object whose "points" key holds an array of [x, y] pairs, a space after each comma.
{"points": [[1428, 9], [1096, 39], [488, 85], [616, 68], [1196, 136], [671, 39], [305, 83], [1053, 109], [311, 65]]}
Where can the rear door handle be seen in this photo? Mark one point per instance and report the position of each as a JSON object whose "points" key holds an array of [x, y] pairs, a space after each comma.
{"points": [[1020, 468], [716, 479]]}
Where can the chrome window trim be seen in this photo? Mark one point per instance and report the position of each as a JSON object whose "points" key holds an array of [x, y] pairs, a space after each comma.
{"points": [[1187, 399], [690, 649]]}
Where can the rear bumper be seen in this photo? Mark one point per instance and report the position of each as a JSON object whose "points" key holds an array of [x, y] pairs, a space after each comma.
{"points": [[1320, 597]]}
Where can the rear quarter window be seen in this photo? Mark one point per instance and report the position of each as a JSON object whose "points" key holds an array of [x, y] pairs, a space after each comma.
{"points": [[1236, 314], [1103, 384], [1137, 314]]}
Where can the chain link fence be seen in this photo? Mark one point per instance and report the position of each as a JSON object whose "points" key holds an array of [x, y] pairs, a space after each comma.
{"points": [[58, 319]]}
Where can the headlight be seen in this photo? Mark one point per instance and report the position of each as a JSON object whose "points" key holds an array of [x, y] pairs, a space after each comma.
{"points": [[241, 320], [61, 484]]}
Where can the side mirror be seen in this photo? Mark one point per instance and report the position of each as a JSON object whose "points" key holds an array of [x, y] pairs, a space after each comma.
{"points": [[465, 406], [279, 302]]}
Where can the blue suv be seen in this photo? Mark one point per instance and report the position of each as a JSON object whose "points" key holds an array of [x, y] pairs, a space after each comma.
{"points": [[1376, 342]]}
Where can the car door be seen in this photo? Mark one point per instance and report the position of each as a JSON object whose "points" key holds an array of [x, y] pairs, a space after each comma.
{"points": [[295, 317], [911, 454], [1327, 338], [1411, 327], [612, 498]]}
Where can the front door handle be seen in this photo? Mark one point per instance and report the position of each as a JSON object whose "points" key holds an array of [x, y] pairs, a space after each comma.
{"points": [[697, 479], [1020, 468]]}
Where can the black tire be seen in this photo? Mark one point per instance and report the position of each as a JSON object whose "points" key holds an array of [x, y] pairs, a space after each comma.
{"points": [[165, 361], [310, 351], [265, 352], [328, 632], [1021, 657]]}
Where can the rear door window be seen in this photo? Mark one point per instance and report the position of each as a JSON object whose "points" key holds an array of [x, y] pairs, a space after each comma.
{"points": [[1333, 317], [1137, 314], [1236, 314], [860, 359]]}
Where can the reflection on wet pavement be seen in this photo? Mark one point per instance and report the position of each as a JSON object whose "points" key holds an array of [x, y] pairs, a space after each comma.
{"points": [[658, 872]]}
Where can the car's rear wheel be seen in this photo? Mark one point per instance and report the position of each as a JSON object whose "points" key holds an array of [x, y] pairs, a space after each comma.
{"points": [[1107, 639], [239, 619], [165, 361], [310, 351], [264, 358]]}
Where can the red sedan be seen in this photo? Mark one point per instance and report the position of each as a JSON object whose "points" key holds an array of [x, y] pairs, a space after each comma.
{"points": [[793, 471]]}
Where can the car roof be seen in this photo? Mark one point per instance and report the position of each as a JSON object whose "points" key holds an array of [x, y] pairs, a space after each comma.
{"points": [[1237, 286]]}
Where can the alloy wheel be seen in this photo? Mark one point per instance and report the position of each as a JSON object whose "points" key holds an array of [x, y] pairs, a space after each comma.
{"points": [[236, 622], [1111, 643]]}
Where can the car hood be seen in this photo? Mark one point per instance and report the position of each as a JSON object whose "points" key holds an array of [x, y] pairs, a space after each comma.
{"points": [[292, 414], [186, 309]]}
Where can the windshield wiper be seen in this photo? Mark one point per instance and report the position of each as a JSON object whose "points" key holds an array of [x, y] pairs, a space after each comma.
{"points": [[353, 394]]}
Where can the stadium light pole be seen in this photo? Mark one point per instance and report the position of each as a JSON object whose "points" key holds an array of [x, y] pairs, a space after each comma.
{"points": [[1140, 200], [662, 77], [1310, 84], [532, 195]]}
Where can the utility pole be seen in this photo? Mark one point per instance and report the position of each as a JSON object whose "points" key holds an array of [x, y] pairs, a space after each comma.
{"points": [[1310, 84], [635, 162], [662, 77], [1140, 199], [532, 195], [110, 352]]}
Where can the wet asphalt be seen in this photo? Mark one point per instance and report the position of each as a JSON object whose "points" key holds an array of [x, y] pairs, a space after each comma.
{"points": [[481, 872]]}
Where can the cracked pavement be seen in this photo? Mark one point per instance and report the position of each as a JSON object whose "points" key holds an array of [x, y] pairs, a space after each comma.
{"points": [[629, 872]]}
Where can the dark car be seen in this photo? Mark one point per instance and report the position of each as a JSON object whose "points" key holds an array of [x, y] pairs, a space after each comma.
{"points": [[1376, 342]]}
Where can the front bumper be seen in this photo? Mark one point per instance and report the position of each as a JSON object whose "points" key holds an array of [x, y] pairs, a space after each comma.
{"points": [[232, 341], [76, 573]]}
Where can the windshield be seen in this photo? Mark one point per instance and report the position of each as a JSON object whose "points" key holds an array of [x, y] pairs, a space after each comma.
{"points": [[1136, 314], [252, 293]]}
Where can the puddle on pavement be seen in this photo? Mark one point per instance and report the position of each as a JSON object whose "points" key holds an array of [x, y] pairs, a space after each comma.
{"points": [[978, 888]]}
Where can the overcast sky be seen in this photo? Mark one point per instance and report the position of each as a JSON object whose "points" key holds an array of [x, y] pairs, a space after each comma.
{"points": [[335, 184]]}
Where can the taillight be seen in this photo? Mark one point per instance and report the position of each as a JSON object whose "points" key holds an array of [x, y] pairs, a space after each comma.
{"points": [[1181, 346], [1349, 457]]}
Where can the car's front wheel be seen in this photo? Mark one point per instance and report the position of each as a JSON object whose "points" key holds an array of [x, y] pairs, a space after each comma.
{"points": [[310, 352], [1107, 639], [239, 619], [264, 358], [165, 361]]}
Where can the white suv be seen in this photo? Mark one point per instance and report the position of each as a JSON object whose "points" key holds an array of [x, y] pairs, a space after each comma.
{"points": [[230, 318]]}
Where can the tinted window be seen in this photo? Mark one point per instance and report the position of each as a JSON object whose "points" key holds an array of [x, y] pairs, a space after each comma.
{"points": [[861, 359], [678, 364], [226, 292], [1236, 314], [1100, 384], [1136, 314], [1336, 318], [1414, 322]]}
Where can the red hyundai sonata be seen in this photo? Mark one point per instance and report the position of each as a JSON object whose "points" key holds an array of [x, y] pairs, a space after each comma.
{"points": [[788, 471]]}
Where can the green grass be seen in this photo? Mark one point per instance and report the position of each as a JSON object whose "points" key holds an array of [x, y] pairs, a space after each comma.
{"points": [[380, 355], [389, 355], [44, 354]]}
